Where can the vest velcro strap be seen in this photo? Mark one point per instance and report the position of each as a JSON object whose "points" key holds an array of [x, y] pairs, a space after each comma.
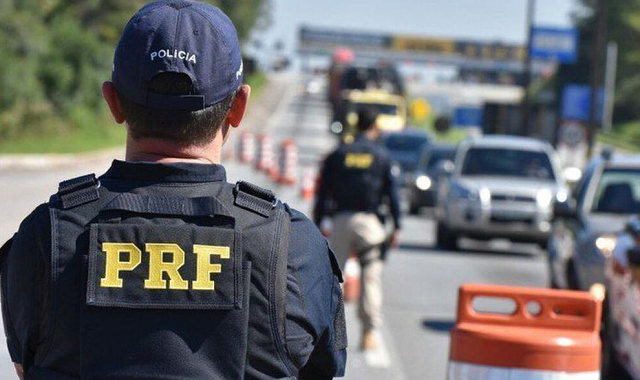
{"points": [[254, 198], [79, 191]]}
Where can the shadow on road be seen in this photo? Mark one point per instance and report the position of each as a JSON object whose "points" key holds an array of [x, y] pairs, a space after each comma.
{"points": [[438, 325], [465, 251]]}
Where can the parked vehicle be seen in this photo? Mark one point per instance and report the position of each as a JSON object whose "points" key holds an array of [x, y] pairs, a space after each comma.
{"points": [[501, 187], [425, 180], [586, 224]]}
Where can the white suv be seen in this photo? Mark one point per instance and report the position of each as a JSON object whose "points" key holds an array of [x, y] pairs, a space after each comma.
{"points": [[501, 187]]}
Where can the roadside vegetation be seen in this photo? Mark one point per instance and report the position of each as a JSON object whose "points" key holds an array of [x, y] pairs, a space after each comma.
{"points": [[55, 55]]}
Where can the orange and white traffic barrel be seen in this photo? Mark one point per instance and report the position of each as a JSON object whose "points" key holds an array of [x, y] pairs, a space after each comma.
{"points": [[264, 154], [551, 335], [246, 147], [308, 186], [288, 162]]}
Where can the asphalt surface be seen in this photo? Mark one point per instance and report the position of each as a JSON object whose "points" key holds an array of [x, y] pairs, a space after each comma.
{"points": [[420, 281]]}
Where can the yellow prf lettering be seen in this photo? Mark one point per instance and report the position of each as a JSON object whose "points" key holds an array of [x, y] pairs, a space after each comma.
{"points": [[157, 266], [358, 160], [114, 265], [205, 268]]}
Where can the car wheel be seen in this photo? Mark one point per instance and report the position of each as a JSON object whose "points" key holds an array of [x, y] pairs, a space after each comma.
{"points": [[446, 239], [611, 367]]}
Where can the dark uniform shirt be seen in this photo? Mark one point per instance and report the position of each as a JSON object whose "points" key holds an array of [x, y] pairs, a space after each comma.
{"points": [[311, 294], [358, 177]]}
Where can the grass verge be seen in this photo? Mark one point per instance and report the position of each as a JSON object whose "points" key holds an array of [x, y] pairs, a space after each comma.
{"points": [[86, 132]]}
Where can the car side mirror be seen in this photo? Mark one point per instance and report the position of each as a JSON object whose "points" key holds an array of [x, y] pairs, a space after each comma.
{"points": [[633, 256], [565, 210], [446, 168]]}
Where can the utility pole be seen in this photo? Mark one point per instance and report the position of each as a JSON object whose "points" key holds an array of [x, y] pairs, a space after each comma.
{"points": [[526, 78], [600, 35], [610, 85]]}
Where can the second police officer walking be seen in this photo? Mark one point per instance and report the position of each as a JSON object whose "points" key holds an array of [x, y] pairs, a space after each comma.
{"points": [[160, 269], [355, 181]]}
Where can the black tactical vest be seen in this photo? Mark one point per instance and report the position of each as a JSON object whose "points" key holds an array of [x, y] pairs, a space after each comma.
{"points": [[161, 287]]}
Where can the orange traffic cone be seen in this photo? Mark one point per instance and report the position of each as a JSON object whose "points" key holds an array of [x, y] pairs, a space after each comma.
{"points": [[352, 285], [551, 335], [308, 189]]}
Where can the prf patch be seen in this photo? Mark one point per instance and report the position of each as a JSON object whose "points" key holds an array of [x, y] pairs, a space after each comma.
{"points": [[358, 160], [159, 266]]}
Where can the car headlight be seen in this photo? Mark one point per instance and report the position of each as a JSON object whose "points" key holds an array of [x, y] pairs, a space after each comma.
{"points": [[423, 183], [606, 244], [485, 195], [544, 198]]}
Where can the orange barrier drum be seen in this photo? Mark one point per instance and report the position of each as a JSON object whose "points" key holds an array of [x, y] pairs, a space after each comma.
{"points": [[559, 342], [288, 162], [264, 154], [246, 147]]}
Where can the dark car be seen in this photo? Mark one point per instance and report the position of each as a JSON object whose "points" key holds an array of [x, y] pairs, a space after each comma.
{"points": [[586, 224], [405, 148], [423, 187]]}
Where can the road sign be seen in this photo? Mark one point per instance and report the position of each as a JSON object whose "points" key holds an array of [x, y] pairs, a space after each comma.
{"points": [[420, 109], [576, 102], [554, 44], [467, 117]]}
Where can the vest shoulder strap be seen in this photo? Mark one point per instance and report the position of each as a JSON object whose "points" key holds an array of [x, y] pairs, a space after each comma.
{"points": [[78, 191], [254, 198]]}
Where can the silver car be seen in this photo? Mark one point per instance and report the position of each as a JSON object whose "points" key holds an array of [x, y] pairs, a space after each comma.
{"points": [[501, 187]]}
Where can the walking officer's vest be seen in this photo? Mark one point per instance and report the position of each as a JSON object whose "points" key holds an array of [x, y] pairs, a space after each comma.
{"points": [[162, 287]]}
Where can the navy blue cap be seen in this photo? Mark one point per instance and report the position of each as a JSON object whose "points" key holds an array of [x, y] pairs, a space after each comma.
{"points": [[180, 36]]}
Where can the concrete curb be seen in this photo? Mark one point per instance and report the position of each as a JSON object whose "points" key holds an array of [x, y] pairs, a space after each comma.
{"points": [[46, 161]]}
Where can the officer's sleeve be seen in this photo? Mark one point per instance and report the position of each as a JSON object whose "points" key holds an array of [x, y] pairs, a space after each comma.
{"points": [[315, 325], [391, 191], [324, 190], [22, 285]]}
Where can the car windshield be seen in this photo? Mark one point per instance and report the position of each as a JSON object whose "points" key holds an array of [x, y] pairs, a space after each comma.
{"points": [[438, 156], [405, 143], [383, 109], [507, 163], [618, 192]]}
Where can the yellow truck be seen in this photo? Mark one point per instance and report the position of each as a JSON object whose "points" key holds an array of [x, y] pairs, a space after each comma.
{"points": [[392, 111]]}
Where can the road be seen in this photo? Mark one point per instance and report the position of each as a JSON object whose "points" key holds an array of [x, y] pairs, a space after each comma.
{"points": [[420, 281]]}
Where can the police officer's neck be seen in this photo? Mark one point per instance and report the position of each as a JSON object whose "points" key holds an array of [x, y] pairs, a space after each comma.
{"points": [[164, 151]]}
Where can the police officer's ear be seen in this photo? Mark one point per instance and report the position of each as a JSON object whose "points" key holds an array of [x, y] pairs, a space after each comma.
{"points": [[239, 106], [110, 95]]}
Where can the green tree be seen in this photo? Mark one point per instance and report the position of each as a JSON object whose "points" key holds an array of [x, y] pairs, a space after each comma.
{"points": [[623, 27], [55, 54]]}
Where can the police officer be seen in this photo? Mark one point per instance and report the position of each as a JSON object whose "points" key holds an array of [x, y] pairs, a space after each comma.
{"points": [[356, 180], [160, 269]]}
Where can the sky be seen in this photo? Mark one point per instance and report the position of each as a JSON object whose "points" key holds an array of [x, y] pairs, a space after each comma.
{"points": [[482, 20]]}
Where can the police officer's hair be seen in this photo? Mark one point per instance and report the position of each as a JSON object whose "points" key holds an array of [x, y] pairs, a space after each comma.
{"points": [[182, 127], [367, 118]]}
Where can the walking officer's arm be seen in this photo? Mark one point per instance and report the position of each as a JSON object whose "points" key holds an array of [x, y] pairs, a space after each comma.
{"points": [[324, 189], [392, 192], [315, 313], [23, 287]]}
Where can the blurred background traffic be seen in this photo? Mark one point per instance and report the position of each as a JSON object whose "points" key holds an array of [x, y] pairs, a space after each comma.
{"points": [[514, 125]]}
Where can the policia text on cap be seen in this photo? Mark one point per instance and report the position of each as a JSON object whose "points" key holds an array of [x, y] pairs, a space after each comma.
{"points": [[159, 268]]}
